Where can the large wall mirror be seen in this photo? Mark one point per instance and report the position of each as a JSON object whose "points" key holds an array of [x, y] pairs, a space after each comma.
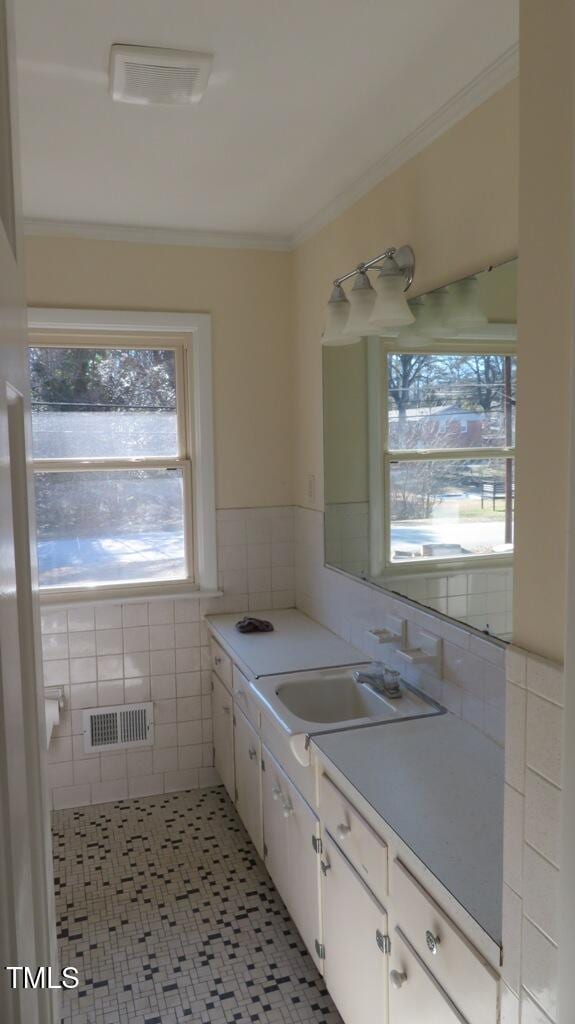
{"points": [[419, 435]]}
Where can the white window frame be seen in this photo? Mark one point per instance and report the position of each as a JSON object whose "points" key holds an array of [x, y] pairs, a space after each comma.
{"points": [[464, 346], [193, 335]]}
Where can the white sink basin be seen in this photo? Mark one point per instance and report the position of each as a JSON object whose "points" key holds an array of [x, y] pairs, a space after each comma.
{"points": [[308, 703], [324, 701]]}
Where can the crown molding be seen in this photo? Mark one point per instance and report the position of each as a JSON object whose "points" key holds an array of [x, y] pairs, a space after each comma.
{"points": [[486, 84], [37, 227]]}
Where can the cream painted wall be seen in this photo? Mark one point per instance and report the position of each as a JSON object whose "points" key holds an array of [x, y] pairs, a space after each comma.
{"points": [[249, 296], [455, 203], [345, 422], [546, 324]]}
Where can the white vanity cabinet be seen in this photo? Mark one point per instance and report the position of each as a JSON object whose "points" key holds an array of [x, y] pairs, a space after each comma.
{"points": [[223, 718], [356, 941], [248, 755], [291, 849], [394, 946], [433, 964]]}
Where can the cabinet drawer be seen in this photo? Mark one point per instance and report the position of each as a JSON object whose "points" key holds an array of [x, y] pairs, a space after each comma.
{"points": [[221, 664], [244, 698], [413, 987], [457, 965], [361, 845]]}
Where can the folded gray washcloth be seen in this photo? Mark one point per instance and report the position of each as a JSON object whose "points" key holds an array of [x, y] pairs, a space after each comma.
{"points": [[252, 625]]}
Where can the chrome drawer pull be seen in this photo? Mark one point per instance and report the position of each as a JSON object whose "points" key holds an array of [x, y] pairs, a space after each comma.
{"points": [[342, 831], [397, 978], [252, 754], [217, 659], [433, 942], [276, 793], [325, 866], [288, 808]]}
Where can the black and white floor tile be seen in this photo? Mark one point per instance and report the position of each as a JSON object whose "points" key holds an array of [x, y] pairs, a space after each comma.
{"points": [[170, 917]]}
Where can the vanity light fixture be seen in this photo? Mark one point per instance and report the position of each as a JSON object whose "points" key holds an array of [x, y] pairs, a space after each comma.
{"points": [[414, 333], [391, 308], [361, 300], [465, 305], [336, 318], [369, 310], [435, 312]]}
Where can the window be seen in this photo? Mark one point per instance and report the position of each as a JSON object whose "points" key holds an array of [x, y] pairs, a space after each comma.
{"points": [[115, 462], [449, 455]]}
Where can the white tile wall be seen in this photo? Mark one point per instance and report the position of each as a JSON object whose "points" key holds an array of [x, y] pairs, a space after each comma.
{"points": [[126, 652], [347, 537], [483, 600], [256, 556], [472, 685], [532, 837], [111, 659]]}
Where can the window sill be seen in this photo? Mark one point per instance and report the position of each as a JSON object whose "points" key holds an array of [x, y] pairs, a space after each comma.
{"points": [[443, 566], [130, 592]]}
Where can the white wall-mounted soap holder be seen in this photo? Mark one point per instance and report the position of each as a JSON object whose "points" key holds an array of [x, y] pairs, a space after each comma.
{"points": [[426, 652], [393, 631]]}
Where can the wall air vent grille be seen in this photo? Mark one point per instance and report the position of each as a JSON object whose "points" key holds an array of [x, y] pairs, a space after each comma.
{"points": [[145, 74], [131, 725]]}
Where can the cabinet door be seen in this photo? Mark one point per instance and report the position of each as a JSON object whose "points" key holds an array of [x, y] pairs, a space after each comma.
{"points": [[274, 795], [353, 921], [290, 826], [248, 778], [414, 994], [304, 871], [223, 714]]}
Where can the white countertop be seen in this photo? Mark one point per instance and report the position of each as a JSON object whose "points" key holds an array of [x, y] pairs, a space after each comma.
{"points": [[296, 645], [438, 783]]}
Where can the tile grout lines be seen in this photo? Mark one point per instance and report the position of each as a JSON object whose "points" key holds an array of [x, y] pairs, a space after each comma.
{"points": [[170, 916]]}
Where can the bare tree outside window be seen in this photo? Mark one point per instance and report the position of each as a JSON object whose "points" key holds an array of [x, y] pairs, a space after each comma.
{"points": [[100, 516]]}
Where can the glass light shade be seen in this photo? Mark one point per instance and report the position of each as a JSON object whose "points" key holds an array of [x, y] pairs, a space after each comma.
{"points": [[435, 312], [336, 319], [413, 333], [391, 308], [361, 299], [465, 305]]}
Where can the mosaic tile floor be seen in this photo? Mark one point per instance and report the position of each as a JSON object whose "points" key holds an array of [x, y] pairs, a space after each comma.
{"points": [[169, 915]]}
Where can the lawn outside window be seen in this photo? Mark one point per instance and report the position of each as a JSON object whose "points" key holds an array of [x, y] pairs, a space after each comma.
{"points": [[448, 437], [122, 453]]}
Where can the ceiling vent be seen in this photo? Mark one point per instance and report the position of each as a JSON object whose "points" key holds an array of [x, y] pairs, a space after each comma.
{"points": [[149, 74]]}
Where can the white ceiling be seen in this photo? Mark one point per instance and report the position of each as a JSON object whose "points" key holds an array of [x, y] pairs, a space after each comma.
{"points": [[306, 96]]}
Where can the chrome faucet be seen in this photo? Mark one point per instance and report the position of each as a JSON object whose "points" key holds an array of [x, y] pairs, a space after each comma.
{"points": [[383, 680]]}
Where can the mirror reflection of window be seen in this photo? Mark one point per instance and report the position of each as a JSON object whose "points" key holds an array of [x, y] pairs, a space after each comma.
{"points": [[419, 429], [461, 407]]}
